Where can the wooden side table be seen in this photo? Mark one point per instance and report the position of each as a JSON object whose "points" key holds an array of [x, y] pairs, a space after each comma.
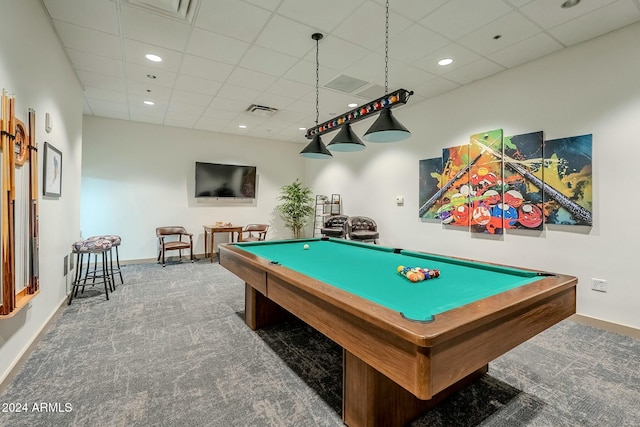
{"points": [[210, 230]]}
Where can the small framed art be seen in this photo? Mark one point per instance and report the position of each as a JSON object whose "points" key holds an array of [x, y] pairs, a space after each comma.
{"points": [[52, 171]]}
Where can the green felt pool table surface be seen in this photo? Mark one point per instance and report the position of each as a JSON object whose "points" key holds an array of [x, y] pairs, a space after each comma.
{"points": [[371, 272]]}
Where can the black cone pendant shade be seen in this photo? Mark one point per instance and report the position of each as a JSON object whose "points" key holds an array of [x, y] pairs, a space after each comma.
{"points": [[386, 129], [346, 140], [316, 150]]}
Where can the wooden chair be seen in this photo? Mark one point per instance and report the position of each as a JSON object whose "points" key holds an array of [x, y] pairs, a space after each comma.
{"points": [[256, 232], [171, 245]]}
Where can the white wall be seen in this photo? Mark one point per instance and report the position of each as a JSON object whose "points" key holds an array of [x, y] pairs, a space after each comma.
{"points": [[136, 177], [34, 68], [590, 88]]}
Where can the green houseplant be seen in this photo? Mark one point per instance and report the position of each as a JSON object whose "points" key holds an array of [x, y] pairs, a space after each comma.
{"points": [[296, 207]]}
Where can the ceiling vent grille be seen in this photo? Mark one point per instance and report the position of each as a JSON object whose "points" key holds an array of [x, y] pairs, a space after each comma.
{"points": [[346, 84], [261, 110], [178, 9]]}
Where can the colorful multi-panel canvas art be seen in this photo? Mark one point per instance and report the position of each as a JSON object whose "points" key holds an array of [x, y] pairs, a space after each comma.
{"points": [[515, 182]]}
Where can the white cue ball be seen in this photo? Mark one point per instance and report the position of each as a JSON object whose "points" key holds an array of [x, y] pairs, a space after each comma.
{"points": [[306, 247]]}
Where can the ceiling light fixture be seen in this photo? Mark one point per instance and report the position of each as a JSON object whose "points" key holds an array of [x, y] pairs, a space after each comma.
{"points": [[386, 128], [569, 3], [316, 148], [153, 58], [149, 102], [445, 61]]}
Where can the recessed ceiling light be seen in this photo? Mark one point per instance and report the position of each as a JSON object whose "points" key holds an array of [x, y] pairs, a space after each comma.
{"points": [[149, 103], [445, 61], [242, 126], [153, 58], [352, 105], [302, 128], [569, 3]]}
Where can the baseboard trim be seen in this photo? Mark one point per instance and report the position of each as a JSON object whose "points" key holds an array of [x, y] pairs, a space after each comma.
{"points": [[607, 326]]}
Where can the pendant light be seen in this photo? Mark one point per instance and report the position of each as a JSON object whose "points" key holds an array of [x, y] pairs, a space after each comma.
{"points": [[346, 140], [316, 148], [386, 128]]}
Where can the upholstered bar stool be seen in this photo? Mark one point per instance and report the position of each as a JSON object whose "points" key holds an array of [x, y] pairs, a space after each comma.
{"points": [[115, 242], [88, 247]]}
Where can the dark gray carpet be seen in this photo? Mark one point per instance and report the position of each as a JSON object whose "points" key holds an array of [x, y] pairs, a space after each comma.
{"points": [[171, 349]]}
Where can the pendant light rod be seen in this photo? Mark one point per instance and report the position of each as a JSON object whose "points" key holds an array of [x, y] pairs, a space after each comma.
{"points": [[316, 148]]}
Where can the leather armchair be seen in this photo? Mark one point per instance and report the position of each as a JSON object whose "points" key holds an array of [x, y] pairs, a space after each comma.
{"points": [[363, 229], [173, 238], [256, 232], [335, 226]]}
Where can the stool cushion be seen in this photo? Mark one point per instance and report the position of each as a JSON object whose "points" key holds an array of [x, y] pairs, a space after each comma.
{"points": [[91, 246]]}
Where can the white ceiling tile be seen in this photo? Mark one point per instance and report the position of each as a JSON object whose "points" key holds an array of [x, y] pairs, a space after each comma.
{"points": [[197, 84], [242, 77], [99, 15], [179, 107], [525, 51], [101, 104], [121, 115], [365, 27], [596, 23], [210, 124], [220, 103], [88, 40], [106, 95], [475, 71], [512, 28], [459, 54], [336, 53], [459, 17], [205, 68], [291, 88], [287, 36], [215, 46], [414, 43], [305, 72], [266, 4], [135, 52], [314, 13], [237, 93], [267, 61], [147, 74], [220, 114], [148, 91], [95, 63], [192, 98], [274, 100], [154, 29], [549, 14], [101, 81], [180, 120], [434, 87], [370, 69], [222, 17], [414, 9]]}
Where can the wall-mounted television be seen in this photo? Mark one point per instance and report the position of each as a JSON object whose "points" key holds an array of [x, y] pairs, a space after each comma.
{"points": [[219, 180]]}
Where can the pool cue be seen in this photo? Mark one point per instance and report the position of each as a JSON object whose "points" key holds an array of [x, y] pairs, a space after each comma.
{"points": [[34, 278]]}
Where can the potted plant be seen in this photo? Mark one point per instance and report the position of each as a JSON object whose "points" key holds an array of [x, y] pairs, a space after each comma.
{"points": [[296, 207]]}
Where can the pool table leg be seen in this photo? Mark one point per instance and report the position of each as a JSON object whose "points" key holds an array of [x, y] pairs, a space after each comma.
{"points": [[260, 311], [371, 399]]}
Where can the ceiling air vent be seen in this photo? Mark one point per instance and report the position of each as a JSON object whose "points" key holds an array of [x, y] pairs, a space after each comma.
{"points": [[345, 83], [177, 9], [261, 110]]}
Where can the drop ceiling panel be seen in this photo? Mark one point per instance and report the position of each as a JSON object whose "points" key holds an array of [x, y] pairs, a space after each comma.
{"points": [[222, 17], [227, 55]]}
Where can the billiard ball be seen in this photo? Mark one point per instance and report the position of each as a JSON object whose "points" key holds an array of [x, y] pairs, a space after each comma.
{"points": [[306, 247]]}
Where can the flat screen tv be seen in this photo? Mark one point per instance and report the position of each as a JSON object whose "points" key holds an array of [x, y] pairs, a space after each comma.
{"points": [[218, 180]]}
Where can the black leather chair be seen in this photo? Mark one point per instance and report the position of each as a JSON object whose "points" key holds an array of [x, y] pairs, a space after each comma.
{"points": [[176, 242], [335, 226], [363, 229]]}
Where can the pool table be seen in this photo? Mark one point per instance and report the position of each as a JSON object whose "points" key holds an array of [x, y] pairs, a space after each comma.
{"points": [[406, 345]]}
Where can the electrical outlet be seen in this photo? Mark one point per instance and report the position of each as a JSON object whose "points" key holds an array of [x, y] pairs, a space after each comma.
{"points": [[599, 285]]}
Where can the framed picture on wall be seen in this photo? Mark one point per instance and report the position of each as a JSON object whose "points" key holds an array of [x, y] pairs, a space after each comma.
{"points": [[52, 171]]}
